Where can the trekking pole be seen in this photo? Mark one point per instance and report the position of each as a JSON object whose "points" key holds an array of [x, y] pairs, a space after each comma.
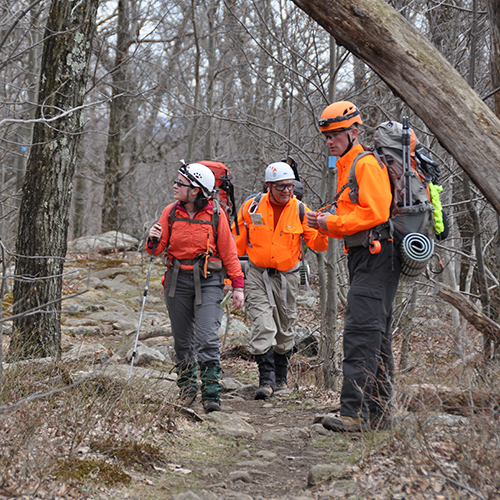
{"points": [[407, 201], [146, 288]]}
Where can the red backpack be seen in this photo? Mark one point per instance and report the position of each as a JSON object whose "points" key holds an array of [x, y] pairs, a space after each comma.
{"points": [[223, 186]]}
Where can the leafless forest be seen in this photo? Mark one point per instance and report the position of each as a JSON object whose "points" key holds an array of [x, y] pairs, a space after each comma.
{"points": [[238, 82], [241, 82]]}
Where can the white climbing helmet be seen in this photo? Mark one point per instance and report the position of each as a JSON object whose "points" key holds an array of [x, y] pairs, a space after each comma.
{"points": [[279, 171], [200, 176]]}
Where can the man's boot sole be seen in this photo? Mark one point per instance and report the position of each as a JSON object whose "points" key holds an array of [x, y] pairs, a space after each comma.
{"points": [[262, 394], [336, 425]]}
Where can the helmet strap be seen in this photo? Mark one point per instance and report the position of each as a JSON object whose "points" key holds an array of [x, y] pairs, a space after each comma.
{"points": [[349, 146]]}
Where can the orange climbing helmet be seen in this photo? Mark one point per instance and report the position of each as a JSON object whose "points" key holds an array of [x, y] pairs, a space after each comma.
{"points": [[340, 115]]}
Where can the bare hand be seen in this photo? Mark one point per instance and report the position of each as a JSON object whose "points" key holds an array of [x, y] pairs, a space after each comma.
{"points": [[155, 232], [312, 219], [322, 221], [238, 298]]}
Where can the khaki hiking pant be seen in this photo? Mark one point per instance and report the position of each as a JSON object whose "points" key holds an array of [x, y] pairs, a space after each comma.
{"points": [[272, 326]]}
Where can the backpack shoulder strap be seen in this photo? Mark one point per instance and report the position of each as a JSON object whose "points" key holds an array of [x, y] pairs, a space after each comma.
{"points": [[215, 219], [255, 203], [352, 182], [243, 206], [253, 206], [171, 218], [214, 222], [302, 210]]}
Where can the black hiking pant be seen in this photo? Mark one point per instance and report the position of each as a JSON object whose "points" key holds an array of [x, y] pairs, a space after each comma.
{"points": [[368, 364]]}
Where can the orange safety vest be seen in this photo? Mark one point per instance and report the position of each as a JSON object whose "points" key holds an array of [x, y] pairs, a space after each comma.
{"points": [[273, 247]]}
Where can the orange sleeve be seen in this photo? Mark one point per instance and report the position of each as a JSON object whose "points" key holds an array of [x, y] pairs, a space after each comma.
{"points": [[374, 202], [315, 239], [163, 221]]}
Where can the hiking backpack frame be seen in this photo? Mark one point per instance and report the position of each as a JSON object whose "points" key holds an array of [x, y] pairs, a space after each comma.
{"points": [[411, 223]]}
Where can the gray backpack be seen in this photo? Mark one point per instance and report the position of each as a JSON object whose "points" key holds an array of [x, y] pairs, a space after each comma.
{"points": [[411, 208]]}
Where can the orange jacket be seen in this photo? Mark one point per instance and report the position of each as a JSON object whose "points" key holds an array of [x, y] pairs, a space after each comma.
{"points": [[278, 248], [189, 240], [375, 197]]}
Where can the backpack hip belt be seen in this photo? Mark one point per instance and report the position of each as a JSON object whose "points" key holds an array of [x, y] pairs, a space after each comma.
{"points": [[197, 272], [270, 271], [368, 236]]}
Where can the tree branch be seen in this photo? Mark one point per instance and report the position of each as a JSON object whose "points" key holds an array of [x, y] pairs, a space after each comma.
{"points": [[489, 328]]}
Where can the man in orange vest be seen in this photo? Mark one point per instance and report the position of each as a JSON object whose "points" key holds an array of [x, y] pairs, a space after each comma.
{"points": [[374, 270], [271, 232]]}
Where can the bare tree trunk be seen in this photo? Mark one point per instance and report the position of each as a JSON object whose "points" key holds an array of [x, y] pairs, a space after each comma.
{"points": [[26, 129], [211, 79], [330, 339], [407, 62], [406, 323], [79, 206], [44, 216], [194, 127], [489, 328], [480, 273], [329, 326], [118, 108], [494, 17]]}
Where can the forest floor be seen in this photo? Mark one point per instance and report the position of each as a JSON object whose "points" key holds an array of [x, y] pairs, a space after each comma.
{"points": [[79, 428]]}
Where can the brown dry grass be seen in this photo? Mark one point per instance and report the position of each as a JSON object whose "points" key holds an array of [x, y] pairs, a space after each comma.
{"points": [[99, 432]]}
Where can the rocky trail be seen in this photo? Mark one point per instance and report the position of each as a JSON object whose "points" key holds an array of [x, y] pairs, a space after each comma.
{"points": [[255, 450], [252, 450]]}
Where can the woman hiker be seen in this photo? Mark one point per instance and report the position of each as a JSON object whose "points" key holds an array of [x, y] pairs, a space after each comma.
{"points": [[197, 240]]}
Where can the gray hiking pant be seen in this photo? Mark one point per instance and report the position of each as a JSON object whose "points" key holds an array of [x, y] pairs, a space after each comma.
{"points": [[272, 326], [195, 327]]}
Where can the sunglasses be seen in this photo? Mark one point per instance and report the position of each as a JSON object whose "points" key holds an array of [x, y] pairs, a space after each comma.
{"points": [[333, 135], [283, 187], [181, 185]]}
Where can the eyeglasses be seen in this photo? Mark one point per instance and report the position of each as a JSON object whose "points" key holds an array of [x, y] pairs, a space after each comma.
{"points": [[334, 134], [283, 187], [181, 185]]}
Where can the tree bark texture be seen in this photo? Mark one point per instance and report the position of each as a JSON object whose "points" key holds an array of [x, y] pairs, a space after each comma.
{"points": [[409, 64], [44, 215], [489, 328], [494, 17]]}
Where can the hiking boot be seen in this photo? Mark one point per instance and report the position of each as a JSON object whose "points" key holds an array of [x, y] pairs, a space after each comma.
{"points": [[345, 424], [210, 405], [264, 392], [280, 387]]}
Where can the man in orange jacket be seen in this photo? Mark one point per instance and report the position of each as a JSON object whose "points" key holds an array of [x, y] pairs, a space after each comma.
{"points": [[368, 364], [271, 232]]}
